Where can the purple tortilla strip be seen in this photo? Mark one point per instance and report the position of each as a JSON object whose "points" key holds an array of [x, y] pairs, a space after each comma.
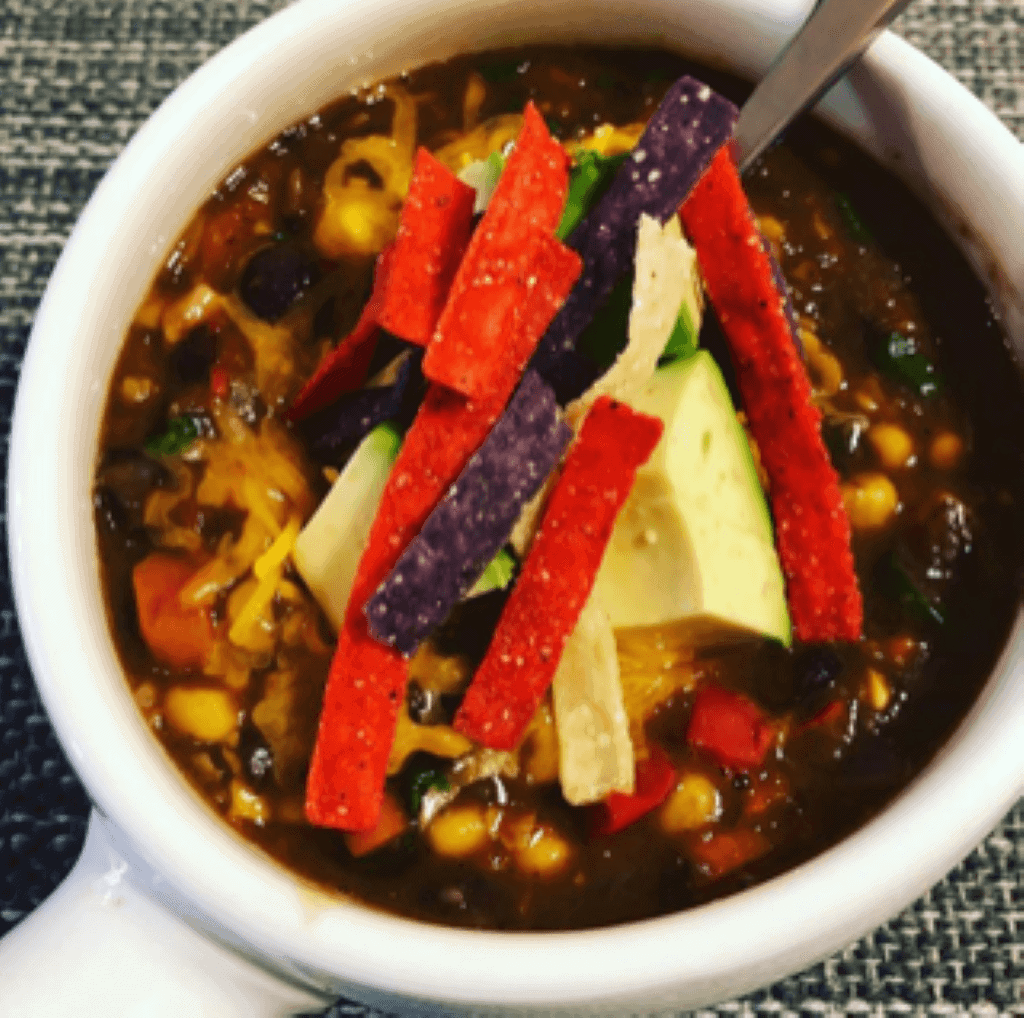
{"points": [[472, 522], [333, 432], [687, 129]]}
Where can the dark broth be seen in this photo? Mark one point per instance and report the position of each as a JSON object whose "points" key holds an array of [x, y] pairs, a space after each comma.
{"points": [[832, 777]]}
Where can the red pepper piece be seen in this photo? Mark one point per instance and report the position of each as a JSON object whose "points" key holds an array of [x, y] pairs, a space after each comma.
{"points": [[558, 574], [812, 528], [655, 778], [220, 382], [366, 681], [730, 727], [344, 368], [513, 260], [832, 715], [433, 232]]}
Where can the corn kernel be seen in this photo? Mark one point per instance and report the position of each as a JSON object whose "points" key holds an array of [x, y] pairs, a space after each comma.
{"points": [[247, 805], [871, 501], [695, 801], [772, 228], [877, 690], [459, 831], [136, 389], [148, 315], [893, 446], [145, 696], [545, 854], [208, 715], [827, 372], [541, 742], [946, 450]]}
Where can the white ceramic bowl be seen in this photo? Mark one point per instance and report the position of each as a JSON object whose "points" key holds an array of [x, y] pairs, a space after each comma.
{"points": [[170, 907]]}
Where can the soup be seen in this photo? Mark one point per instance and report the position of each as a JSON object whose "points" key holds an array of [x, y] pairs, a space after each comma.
{"points": [[736, 751]]}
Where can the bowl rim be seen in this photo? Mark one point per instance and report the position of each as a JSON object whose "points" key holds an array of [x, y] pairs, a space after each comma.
{"points": [[224, 884]]}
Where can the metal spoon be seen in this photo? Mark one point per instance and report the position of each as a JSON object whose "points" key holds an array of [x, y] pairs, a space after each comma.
{"points": [[835, 33]]}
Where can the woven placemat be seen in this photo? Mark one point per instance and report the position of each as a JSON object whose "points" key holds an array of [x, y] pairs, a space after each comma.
{"points": [[77, 78]]}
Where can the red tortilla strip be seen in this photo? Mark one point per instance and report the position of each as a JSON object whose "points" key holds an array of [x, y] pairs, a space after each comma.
{"points": [[490, 328], [558, 574], [344, 368], [812, 528], [531, 190], [366, 681], [433, 232], [513, 259], [365, 689]]}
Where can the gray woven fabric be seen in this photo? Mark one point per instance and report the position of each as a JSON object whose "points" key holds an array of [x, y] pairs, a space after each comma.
{"points": [[77, 77]]}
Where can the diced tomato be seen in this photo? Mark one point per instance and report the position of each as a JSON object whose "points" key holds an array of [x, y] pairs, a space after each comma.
{"points": [[730, 727], [655, 778], [764, 794], [176, 634], [391, 824], [725, 851]]}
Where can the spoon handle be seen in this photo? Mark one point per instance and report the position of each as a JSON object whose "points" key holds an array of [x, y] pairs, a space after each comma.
{"points": [[835, 33]]}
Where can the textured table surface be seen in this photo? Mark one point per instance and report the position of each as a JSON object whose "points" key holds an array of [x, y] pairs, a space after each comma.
{"points": [[77, 78]]}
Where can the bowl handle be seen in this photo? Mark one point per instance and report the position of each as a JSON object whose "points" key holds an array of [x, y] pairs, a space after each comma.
{"points": [[100, 946]]}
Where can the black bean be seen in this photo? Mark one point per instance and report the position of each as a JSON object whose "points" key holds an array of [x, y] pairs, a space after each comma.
{"points": [[124, 481], [193, 355], [275, 278]]}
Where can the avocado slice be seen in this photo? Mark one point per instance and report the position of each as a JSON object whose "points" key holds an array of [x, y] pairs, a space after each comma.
{"points": [[694, 546], [328, 549]]}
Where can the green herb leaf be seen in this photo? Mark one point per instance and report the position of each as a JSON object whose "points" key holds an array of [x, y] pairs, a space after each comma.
{"points": [[897, 584], [854, 223], [589, 178], [180, 434], [898, 356], [422, 782], [497, 576]]}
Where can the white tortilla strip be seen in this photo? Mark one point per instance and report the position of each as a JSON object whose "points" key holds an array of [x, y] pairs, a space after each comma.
{"points": [[595, 754], [666, 278]]}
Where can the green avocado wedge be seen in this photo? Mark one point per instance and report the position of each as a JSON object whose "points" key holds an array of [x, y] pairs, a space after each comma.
{"points": [[693, 547], [328, 549]]}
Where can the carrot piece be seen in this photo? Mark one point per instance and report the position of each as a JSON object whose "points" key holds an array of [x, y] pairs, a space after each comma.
{"points": [[176, 634], [392, 823], [655, 778], [344, 368], [558, 574], [730, 727], [433, 232], [725, 851], [813, 531], [513, 260]]}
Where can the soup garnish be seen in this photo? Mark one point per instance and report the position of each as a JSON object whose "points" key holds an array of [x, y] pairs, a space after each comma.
{"points": [[437, 551]]}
